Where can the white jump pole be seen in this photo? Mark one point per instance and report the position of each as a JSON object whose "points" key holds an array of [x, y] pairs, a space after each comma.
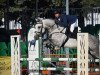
{"points": [[33, 53], [82, 53], [15, 55], [33, 66]]}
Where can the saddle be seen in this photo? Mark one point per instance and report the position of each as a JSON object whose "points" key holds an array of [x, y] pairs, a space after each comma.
{"points": [[70, 35]]}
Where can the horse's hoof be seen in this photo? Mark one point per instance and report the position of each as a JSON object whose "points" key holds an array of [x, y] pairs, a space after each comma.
{"points": [[57, 48]]}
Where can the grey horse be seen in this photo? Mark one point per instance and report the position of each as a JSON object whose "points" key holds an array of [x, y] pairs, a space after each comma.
{"points": [[58, 36]]}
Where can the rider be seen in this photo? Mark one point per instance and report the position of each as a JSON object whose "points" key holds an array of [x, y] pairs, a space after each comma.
{"points": [[67, 21]]}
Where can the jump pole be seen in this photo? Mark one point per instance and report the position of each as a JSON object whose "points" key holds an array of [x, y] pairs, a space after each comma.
{"points": [[82, 56], [15, 55], [33, 66], [82, 53]]}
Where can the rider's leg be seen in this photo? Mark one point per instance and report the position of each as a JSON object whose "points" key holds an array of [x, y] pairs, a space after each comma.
{"points": [[73, 26], [73, 32]]}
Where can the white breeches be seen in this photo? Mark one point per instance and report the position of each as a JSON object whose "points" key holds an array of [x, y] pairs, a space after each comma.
{"points": [[72, 27]]}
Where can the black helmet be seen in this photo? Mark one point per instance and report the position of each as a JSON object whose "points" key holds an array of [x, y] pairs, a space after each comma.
{"points": [[57, 12]]}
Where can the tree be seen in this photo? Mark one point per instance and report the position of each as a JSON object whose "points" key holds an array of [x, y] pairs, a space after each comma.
{"points": [[90, 3], [15, 5]]}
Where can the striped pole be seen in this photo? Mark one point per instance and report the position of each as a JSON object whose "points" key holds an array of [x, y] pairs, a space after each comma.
{"points": [[58, 68], [63, 68], [61, 59]]}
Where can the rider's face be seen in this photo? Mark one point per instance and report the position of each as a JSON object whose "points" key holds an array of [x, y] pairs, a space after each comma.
{"points": [[57, 15]]}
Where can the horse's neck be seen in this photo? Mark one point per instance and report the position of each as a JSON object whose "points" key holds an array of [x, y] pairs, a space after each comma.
{"points": [[56, 28], [52, 27], [49, 24]]}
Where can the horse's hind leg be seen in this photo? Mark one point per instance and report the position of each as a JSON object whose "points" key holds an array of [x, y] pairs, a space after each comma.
{"points": [[92, 56], [92, 62]]}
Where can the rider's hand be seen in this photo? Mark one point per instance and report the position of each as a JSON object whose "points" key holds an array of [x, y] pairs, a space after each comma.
{"points": [[56, 21]]}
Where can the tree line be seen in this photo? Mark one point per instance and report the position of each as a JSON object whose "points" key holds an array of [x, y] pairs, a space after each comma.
{"points": [[18, 5]]}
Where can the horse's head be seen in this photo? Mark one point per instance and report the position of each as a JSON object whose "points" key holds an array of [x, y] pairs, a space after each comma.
{"points": [[39, 28], [44, 24], [38, 20]]}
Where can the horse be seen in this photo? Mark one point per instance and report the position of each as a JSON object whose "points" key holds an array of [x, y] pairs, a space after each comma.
{"points": [[57, 36]]}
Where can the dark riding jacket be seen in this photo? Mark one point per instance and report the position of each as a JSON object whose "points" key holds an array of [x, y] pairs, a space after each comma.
{"points": [[65, 20]]}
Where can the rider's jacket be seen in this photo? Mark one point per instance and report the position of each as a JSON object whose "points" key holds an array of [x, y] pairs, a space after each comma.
{"points": [[65, 20]]}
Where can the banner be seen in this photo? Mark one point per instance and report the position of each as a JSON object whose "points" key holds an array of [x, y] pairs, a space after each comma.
{"points": [[95, 18], [5, 65]]}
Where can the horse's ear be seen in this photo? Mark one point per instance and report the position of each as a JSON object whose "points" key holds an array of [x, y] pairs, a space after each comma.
{"points": [[37, 20], [33, 26]]}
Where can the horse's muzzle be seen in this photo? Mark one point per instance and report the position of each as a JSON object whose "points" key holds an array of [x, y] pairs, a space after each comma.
{"points": [[37, 33]]}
